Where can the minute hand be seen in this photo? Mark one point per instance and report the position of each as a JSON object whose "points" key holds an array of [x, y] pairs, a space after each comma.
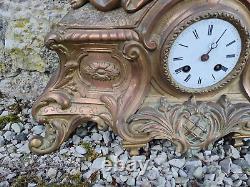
{"points": [[221, 36]]}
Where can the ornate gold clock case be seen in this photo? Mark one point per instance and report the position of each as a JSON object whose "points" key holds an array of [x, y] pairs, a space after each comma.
{"points": [[172, 69]]}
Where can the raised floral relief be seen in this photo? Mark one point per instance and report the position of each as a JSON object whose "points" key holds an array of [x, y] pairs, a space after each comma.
{"points": [[107, 5], [102, 71], [193, 124]]}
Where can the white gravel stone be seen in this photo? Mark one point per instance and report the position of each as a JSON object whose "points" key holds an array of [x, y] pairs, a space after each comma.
{"points": [[4, 113], [123, 178], [210, 177], [234, 152], [248, 182], [63, 151], [174, 172], [182, 181], [24, 148], [237, 183], [183, 173], [207, 153], [7, 127], [98, 164], [2, 155], [243, 176], [8, 135], [4, 184], [235, 168], [141, 158], [96, 137], [156, 148], [193, 163], [80, 150], [104, 150], [234, 176], [228, 181], [198, 173], [32, 184], [179, 163], [118, 150], [106, 137], [161, 181], [153, 174], [131, 181], [247, 158], [226, 165], [51, 173], [38, 129], [1, 140], [16, 127], [76, 139], [219, 179], [161, 158]]}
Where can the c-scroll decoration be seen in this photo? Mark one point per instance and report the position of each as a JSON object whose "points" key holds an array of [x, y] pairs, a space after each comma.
{"points": [[193, 124]]}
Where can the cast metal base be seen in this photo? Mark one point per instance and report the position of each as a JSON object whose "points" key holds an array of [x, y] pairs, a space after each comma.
{"points": [[110, 73]]}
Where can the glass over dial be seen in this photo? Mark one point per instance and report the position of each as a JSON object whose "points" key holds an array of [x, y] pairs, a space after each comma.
{"points": [[204, 54]]}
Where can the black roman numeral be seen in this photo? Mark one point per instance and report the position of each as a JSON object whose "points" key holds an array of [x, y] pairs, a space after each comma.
{"points": [[178, 58], [232, 42], [199, 80], [213, 76], [183, 45], [178, 70], [224, 68], [231, 56], [188, 78], [210, 30], [196, 34]]}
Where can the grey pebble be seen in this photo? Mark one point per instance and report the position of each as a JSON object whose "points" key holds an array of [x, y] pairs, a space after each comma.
{"points": [[198, 173], [17, 127], [226, 165], [228, 181], [237, 183], [38, 129], [179, 163], [80, 150]]}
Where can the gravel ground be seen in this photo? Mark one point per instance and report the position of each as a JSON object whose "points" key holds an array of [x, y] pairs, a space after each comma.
{"points": [[91, 157]]}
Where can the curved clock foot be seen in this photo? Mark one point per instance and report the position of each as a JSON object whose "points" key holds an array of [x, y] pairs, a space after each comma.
{"points": [[239, 137], [133, 149], [54, 136]]}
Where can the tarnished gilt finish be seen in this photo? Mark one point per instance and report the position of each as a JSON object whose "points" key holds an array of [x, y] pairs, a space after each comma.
{"points": [[112, 72]]}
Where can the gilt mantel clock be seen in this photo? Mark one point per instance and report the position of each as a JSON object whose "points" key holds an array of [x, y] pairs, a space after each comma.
{"points": [[149, 69]]}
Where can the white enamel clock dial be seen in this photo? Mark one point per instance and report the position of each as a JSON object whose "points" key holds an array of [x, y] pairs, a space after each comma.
{"points": [[204, 54]]}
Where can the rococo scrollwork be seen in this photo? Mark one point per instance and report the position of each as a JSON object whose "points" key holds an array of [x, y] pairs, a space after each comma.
{"points": [[112, 72]]}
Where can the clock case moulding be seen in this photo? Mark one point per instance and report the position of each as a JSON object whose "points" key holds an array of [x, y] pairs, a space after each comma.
{"points": [[111, 72]]}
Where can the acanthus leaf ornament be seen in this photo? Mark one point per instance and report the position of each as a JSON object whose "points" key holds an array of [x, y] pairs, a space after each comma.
{"points": [[193, 124]]}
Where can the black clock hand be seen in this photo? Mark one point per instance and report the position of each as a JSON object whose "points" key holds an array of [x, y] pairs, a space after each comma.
{"points": [[205, 57], [221, 36]]}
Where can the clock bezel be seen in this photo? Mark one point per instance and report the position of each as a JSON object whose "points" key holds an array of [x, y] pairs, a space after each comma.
{"points": [[194, 19]]}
